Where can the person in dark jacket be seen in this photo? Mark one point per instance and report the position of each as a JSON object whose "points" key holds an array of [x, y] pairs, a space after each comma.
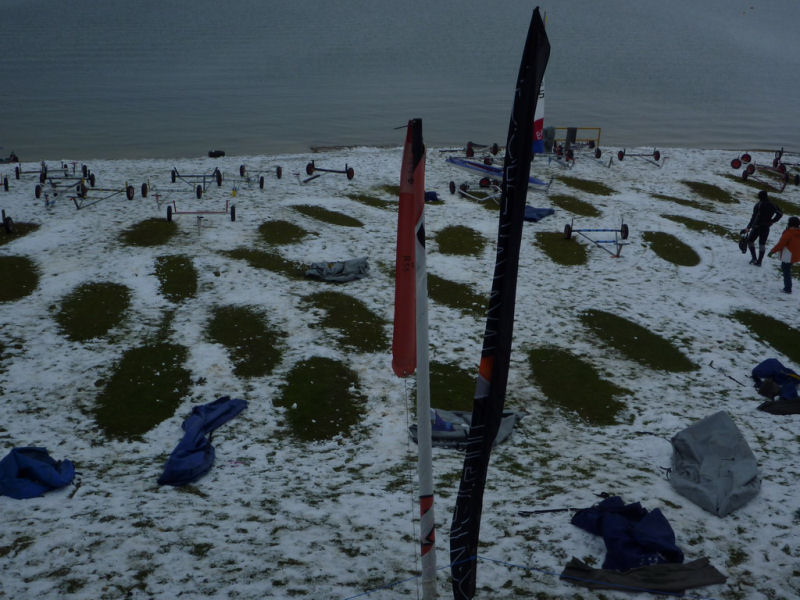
{"points": [[765, 214]]}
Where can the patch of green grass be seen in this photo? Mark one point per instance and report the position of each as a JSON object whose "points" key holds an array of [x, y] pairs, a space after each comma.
{"points": [[328, 216], [177, 277], [151, 232], [636, 342], [91, 309], [696, 225], [373, 201], [573, 384], [776, 333], [560, 250], [271, 261], [19, 230], [684, 202], [456, 295], [322, 399], [574, 205], [360, 328], [460, 240], [255, 348], [451, 387], [671, 249], [281, 232], [146, 387], [709, 191], [390, 189], [19, 275], [585, 185]]}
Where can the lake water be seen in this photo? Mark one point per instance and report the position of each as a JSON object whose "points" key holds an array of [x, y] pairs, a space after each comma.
{"points": [[86, 79]]}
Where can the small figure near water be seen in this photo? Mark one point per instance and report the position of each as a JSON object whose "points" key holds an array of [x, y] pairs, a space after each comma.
{"points": [[789, 247], [765, 214]]}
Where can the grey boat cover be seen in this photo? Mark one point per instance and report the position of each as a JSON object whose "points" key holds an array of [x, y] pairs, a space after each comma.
{"points": [[450, 428], [344, 270], [713, 466]]}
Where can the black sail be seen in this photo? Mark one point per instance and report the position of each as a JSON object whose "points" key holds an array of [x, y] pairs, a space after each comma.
{"points": [[495, 357]]}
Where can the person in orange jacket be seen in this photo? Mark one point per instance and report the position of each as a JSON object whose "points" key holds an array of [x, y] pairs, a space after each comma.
{"points": [[789, 247]]}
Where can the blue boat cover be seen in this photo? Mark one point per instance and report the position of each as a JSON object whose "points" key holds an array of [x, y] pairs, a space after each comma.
{"points": [[193, 456], [784, 377], [634, 537], [30, 472], [535, 214]]}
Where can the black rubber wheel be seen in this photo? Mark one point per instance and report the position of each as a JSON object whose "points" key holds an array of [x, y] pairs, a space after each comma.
{"points": [[781, 168], [16, 172], [5, 183], [310, 168], [241, 170], [43, 176], [452, 187], [570, 154], [591, 145], [233, 212], [485, 182], [350, 173], [91, 179], [746, 157], [620, 154], [597, 153], [173, 175], [797, 179], [623, 231], [750, 169], [488, 160], [37, 191], [8, 225], [218, 176], [736, 163], [129, 192], [169, 214], [494, 149], [567, 231], [745, 174], [261, 182], [84, 170], [279, 171], [656, 155], [144, 190], [199, 191]]}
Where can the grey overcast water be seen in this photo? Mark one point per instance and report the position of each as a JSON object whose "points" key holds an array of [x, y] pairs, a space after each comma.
{"points": [[87, 79]]}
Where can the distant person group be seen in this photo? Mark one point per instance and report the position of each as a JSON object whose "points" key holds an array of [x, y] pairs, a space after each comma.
{"points": [[765, 215]]}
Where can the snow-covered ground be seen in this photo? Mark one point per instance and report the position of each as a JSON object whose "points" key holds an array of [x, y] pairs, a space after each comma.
{"points": [[336, 519]]}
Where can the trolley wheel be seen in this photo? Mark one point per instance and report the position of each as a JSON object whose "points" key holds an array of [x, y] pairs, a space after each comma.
{"points": [[241, 170], [310, 168], [597, 153], [8, 225], [91, 179], [591, 144], [261, 182], [82, 189], [169, 214], [781, 168], [84, 170], [233, 212], [485, 182], [452, 187], [494, 149], [797, 179], [736, 163], [173, 175], [656, 155], [37, 191], [745, 174], [570, 154], [43, 175], [488, 160], [751, 168], [567, 231], [218, 176], [144, 190], [199, 191], [279, 171], [350, 172], [129, 191], [470, 151], [775, 163], [5, 183], [623, 231], [746, 158], [620, 154], [16, 172]]}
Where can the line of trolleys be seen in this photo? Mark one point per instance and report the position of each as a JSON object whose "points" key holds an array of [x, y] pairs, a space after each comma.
{"points": [[79, 185]]}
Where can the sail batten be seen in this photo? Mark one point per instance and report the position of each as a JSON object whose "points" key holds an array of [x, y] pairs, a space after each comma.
{"points": [[492, 378]]}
